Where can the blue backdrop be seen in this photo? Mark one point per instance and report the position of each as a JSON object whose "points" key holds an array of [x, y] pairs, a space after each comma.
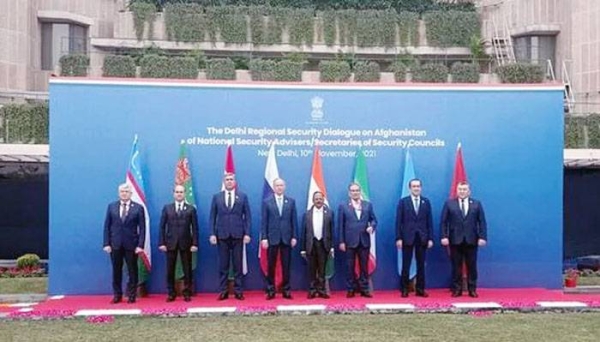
{"points": [[512, 142]]}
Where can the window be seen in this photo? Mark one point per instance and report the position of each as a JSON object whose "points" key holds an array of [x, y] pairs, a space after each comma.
{"points": [[60, 39], [535, 49]]}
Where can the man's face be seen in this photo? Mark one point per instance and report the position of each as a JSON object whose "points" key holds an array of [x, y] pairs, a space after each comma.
{"points": [[179, 193], [354, 192], [318, 200], [279, 186], [463, 191], [415, 188], [229, 182], [124, 194]]}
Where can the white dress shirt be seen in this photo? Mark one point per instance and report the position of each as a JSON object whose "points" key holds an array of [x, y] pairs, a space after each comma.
{"points": [[317, 223]]}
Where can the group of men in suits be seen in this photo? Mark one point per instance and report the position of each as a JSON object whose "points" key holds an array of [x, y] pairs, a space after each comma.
{"points": [[463, 230]]}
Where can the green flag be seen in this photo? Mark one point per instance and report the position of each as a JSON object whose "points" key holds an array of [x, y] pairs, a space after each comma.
{"points": [[183, 176], [360, 178]]}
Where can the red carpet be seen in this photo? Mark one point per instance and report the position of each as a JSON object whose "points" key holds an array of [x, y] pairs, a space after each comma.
{"points": [[439, 300]]}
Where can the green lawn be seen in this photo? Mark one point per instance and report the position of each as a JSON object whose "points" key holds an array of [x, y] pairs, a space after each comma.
{"points": [[539, 327], [588, 281], [23, 285]]}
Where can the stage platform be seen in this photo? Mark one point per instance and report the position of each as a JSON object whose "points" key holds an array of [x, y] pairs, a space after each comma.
{"points": [[524, 300]]}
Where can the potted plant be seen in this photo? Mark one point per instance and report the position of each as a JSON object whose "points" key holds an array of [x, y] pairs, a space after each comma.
{"points": [[571, 276]]}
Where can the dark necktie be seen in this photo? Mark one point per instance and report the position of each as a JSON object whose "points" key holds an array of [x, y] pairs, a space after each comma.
{"points": [[229, 199], [417, 206], [462, 207], [123, 211], [178, 208]]}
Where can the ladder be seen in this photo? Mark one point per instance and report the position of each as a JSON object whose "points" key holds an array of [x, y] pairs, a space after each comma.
{"points": [[504, 51], [569, 95]]}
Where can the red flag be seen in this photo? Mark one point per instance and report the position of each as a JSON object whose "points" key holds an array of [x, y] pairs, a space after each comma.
{"points": [[460, 175]]}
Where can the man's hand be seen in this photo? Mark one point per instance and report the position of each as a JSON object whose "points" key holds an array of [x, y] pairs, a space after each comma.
{"points": [[213, 240], [342, 247], [303, 254], [162, 248], [194, 249], [264, 244], [445, 242], [429, 243], [481, 242], [399, 244], [139, 250], [107, 249], [370, 230], [332, 252], [246, 239], [293, 242]]}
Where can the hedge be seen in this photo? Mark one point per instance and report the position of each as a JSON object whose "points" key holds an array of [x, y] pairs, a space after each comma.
{"points": [[521, 73], [155, 66], [118, 66], [143, 12], [269, 70], [400, 70], [430, 73], [24, 123], [334, 71], [367, 71], [451, 28], [220, 69], [74, 65], [465, 73]]}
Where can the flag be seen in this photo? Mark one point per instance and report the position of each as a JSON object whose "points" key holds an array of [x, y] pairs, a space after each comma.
{"points": [[183, 176], [271, 173], [135, 180], [230, 168], [317, 183], [409, 174], [459, 175], [360, 178]]}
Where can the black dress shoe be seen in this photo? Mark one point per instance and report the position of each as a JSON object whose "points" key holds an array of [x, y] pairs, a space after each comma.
{"points": [[366, 294], [422, 294], [287, 295], [116, 299], [223, 296], [473, 294], [170, 298], [311, 295], [324, 295], [456, 294], [239, 296], [270, 295], [404, 294], [131, 300], [187, 298], [350, 294]]}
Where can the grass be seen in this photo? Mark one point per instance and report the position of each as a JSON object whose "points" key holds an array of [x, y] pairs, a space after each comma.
{"points": [[571, 327], [23, 285]]}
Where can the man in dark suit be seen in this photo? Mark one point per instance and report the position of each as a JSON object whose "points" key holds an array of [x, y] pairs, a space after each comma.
{"points": [[124, 237], [317, 233], [179, 234], [356, 221], [278, 234], [464, 229], [230, 226], [414, 232]]}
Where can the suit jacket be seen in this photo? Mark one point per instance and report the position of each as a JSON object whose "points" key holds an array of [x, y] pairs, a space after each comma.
{"points": [[178, 230], [308, 230], [230, 223], [125, 234], [457, 228], [278, 228], [352, 229], [408, 223]]}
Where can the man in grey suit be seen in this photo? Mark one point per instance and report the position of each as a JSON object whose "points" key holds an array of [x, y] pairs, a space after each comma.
{"points": [[317, 234], [356, 221], [230, 226], [179, 235], [464, 229], [124, 237], [278, 234]]}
